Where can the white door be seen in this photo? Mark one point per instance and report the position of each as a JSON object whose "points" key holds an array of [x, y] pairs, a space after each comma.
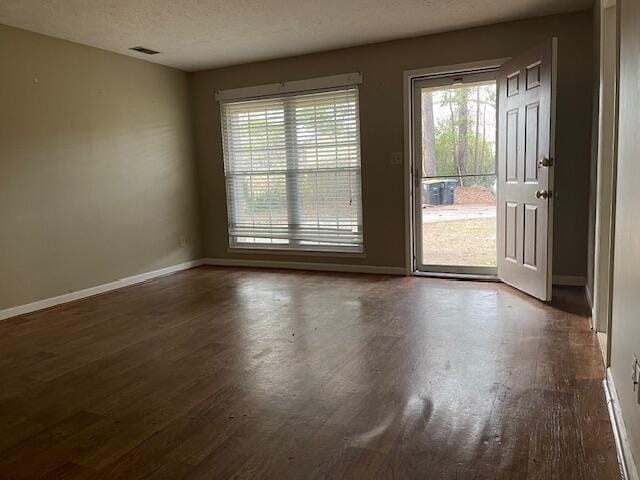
{"points": [[526, 118]]}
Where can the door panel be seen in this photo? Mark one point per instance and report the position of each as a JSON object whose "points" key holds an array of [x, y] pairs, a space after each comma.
{"points": [[512, 146], [526, 116], [530, 237], [531, 144], [511, 230]]}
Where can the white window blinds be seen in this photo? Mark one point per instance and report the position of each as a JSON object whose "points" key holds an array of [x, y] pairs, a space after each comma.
{"points": [[292, 168]]}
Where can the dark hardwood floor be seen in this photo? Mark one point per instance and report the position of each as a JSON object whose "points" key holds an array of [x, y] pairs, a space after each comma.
{"points": [[219, 372]]}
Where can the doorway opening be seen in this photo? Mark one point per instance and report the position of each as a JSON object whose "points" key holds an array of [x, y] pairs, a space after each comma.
{"points": [[501, 226], [454, 145]]}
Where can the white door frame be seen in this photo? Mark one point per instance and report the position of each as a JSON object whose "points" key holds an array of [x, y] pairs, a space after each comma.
{"points": [[606, 175], [410, 77]]}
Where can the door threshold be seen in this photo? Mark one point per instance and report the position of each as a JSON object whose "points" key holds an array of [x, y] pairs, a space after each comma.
{"points": [[476, 277]]}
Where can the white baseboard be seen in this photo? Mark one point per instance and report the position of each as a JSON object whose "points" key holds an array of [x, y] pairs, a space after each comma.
{"points": [[569, 280], [89, 292], [322, 267], [623, 448]]}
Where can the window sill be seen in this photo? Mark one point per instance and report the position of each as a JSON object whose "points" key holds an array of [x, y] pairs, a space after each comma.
{"points": [[297, 252]]}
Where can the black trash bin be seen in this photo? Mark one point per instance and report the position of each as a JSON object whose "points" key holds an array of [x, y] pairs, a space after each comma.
{"points": [[432, 192], [448, 195]]}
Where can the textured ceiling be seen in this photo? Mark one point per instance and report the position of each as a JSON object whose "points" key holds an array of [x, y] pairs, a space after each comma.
{"points": [[199, 34]]}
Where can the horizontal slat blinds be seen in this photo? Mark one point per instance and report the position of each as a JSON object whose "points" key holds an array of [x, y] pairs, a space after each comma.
{"points": [[292, 168]]}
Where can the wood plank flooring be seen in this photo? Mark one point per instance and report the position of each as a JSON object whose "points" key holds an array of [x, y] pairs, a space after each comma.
{"points": [[217, 373]]}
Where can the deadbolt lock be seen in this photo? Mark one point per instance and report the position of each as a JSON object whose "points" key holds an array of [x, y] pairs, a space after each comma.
{"points": [[546, 162], [543, 194]]}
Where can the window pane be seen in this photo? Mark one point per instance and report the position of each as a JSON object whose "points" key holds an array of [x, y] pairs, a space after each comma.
{"points": [[293, 170], [459, 130], [329, 206], [259, 207], [255, 140]]}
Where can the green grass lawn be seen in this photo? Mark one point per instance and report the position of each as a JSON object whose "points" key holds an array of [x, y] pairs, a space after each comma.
{"points": [[460, 242]]}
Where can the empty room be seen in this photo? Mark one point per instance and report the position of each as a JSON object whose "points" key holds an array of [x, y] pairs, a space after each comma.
{"points": [[355, 239]]}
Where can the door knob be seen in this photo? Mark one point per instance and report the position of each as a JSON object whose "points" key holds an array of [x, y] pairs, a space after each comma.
{"points": [[543, 194], [545, 162]]}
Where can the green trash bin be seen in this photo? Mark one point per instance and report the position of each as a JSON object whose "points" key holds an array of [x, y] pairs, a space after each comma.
{"points": [[448, 195], [432, 192]]}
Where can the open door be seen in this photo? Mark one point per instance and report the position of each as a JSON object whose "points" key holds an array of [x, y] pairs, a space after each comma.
{"points": [[526, 134]]}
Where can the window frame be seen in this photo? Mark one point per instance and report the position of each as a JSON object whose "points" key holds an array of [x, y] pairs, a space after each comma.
{"points": [[282, 90]]}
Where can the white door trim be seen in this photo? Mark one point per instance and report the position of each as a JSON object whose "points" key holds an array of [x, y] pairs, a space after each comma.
{"points": [[409, 77], [606, 174]]}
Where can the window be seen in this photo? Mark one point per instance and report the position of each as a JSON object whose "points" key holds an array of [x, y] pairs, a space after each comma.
{"points": [[292, 169]]}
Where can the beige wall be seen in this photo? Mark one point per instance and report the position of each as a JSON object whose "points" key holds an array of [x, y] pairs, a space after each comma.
{"points": [[625, 328], [96, 167], [98, 182], [381, 106]]}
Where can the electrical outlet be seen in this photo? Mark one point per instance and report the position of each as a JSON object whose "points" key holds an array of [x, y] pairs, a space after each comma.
{"points": [[182, 241]]}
